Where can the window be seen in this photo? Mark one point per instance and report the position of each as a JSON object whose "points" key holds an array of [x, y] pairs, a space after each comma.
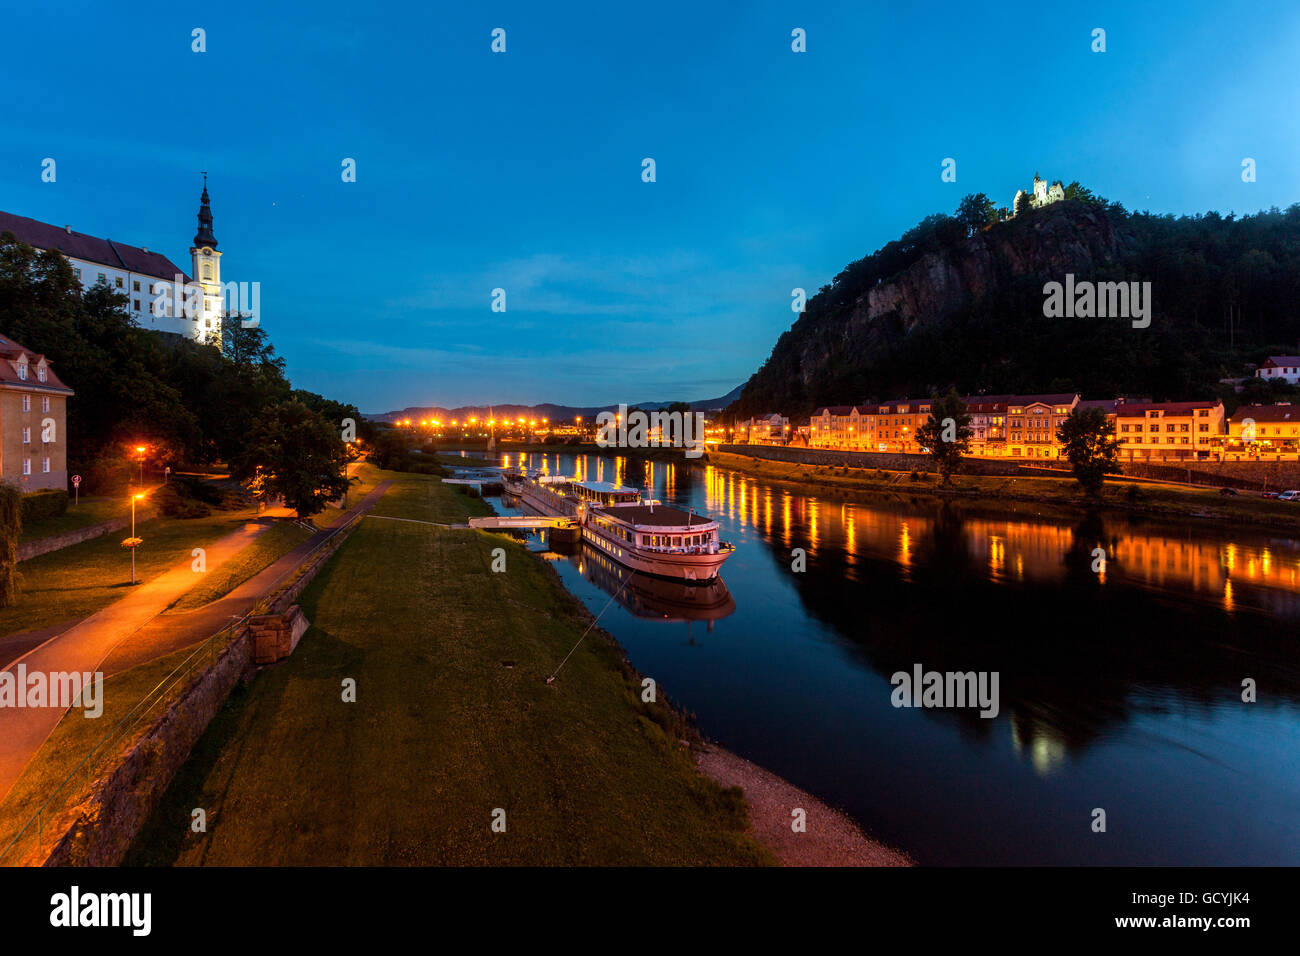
{"points": [[27, 466], [137, 305], [27, 403], [40, 373], [27, 435], [117, 280], [135, 285], [78, 272], [102, 277], [45, 465], [22, 374], [45, 403], [207, 271]]}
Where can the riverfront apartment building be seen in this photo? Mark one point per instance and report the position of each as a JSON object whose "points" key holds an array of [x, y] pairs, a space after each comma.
{"points": [[1168, 430], [1024, 427], [33, 420], [773, 429], [1012, 426]]}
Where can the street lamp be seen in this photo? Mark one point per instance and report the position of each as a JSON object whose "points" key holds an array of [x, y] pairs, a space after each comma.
{"points": [[140, 450], [133, 542]]}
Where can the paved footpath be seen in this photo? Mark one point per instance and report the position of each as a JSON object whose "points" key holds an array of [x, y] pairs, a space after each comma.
{"points": [[134, 630]]}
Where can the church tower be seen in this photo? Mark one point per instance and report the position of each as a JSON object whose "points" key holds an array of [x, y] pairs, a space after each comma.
{"points": [[207, 273]]}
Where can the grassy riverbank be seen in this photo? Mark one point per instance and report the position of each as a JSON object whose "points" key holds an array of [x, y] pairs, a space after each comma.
{"points": [[1062, 495], [453, 719], [77, 581]]}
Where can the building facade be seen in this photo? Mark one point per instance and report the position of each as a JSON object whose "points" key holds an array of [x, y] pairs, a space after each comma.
{"points": [[148, 279], [1262, 432], [773, 429], [1032, 421], [33, 420], [1169, 430], [1044, 194], [1280, 368]]}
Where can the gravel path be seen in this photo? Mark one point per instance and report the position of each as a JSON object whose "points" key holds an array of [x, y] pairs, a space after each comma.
{"points": [[831, 838]]}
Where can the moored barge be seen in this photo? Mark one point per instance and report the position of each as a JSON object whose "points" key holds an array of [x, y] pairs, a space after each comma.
{"points": [[641, 534]]}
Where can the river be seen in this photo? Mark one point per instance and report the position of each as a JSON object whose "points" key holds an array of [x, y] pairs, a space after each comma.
{"points": [[1120, 686]]}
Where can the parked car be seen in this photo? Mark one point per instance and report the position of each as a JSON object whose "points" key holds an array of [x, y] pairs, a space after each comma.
{"points": [[1268, 494], [1227, 492], [1289, 496]]}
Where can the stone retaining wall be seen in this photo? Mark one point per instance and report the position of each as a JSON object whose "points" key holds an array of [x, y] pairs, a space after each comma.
{"points": [[1251, 475], [274, 636], [55, 542], [100, 830], [890, 461]]}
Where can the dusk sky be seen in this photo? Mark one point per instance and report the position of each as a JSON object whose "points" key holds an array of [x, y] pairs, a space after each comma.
{"points": [[522, 170]]}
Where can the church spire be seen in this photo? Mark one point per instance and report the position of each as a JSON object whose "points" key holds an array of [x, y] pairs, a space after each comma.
{"points": [[204, 236]]}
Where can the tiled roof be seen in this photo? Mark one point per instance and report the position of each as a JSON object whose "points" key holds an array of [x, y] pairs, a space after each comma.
{"points": [[1137, 409], [1268, 413], [1288, 360], [9, 352], [78, 245], [1063, 398]]}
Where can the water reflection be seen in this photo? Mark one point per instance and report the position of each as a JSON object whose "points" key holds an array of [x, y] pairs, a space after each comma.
{"points": [[1121, 646], [650, 597]]}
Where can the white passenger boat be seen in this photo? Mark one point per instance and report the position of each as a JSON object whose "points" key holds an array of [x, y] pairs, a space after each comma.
{"points": [[639, 533]]}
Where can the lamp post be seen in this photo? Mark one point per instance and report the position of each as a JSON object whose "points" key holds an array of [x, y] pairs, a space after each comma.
{"points": [[133, 542], [140, 450]]}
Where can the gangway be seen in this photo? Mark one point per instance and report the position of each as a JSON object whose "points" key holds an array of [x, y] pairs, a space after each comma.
{"points": [[522, 521]]}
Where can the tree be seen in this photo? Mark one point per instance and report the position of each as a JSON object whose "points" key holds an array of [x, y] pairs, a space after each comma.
{"points": [[946, 433], [1088, 438], [11, 525], [975, 212], [295, 454]]}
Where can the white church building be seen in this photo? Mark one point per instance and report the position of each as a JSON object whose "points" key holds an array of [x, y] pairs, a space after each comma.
{"points": [[154, 286]]}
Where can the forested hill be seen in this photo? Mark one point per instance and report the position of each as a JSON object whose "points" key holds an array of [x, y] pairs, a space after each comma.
{"points": [[959, 302]]}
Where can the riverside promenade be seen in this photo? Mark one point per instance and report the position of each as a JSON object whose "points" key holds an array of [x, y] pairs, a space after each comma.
{"points": [[136, 629]]}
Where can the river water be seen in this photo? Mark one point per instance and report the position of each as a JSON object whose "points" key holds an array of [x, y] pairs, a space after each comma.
{"points": [[1120, 689]]}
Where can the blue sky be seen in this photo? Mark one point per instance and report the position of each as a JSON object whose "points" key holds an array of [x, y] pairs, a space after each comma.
{"points": [[522, 170]]}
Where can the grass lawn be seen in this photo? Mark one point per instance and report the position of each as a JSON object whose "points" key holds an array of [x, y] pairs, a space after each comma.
{"points": [[86, 512], [73, 582], [453, 718], [266, 549], [70, 741]]}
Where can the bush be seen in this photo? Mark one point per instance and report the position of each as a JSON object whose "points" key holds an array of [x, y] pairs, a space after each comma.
{"points": [[50, 503], [107, 476], [190, 487], [171, 502]]}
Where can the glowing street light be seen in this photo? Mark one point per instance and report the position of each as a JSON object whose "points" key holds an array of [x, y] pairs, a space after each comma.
{"points": [[133, 542], [140, 450]]}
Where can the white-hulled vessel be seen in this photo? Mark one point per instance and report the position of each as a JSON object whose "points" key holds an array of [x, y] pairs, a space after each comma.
{"points": [[643, 535]]}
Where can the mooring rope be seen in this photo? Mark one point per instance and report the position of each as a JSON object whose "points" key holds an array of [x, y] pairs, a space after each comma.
{"points": [[630, 575]]}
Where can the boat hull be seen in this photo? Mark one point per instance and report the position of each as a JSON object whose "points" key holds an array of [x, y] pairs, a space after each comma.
{"points": [[690, 567]]}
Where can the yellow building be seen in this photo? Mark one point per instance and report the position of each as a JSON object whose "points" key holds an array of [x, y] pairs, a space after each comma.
{"points": [[33, 420], [894, 424], [1265, 432], [838, 426], [1032, 421], [1164, 431]]}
